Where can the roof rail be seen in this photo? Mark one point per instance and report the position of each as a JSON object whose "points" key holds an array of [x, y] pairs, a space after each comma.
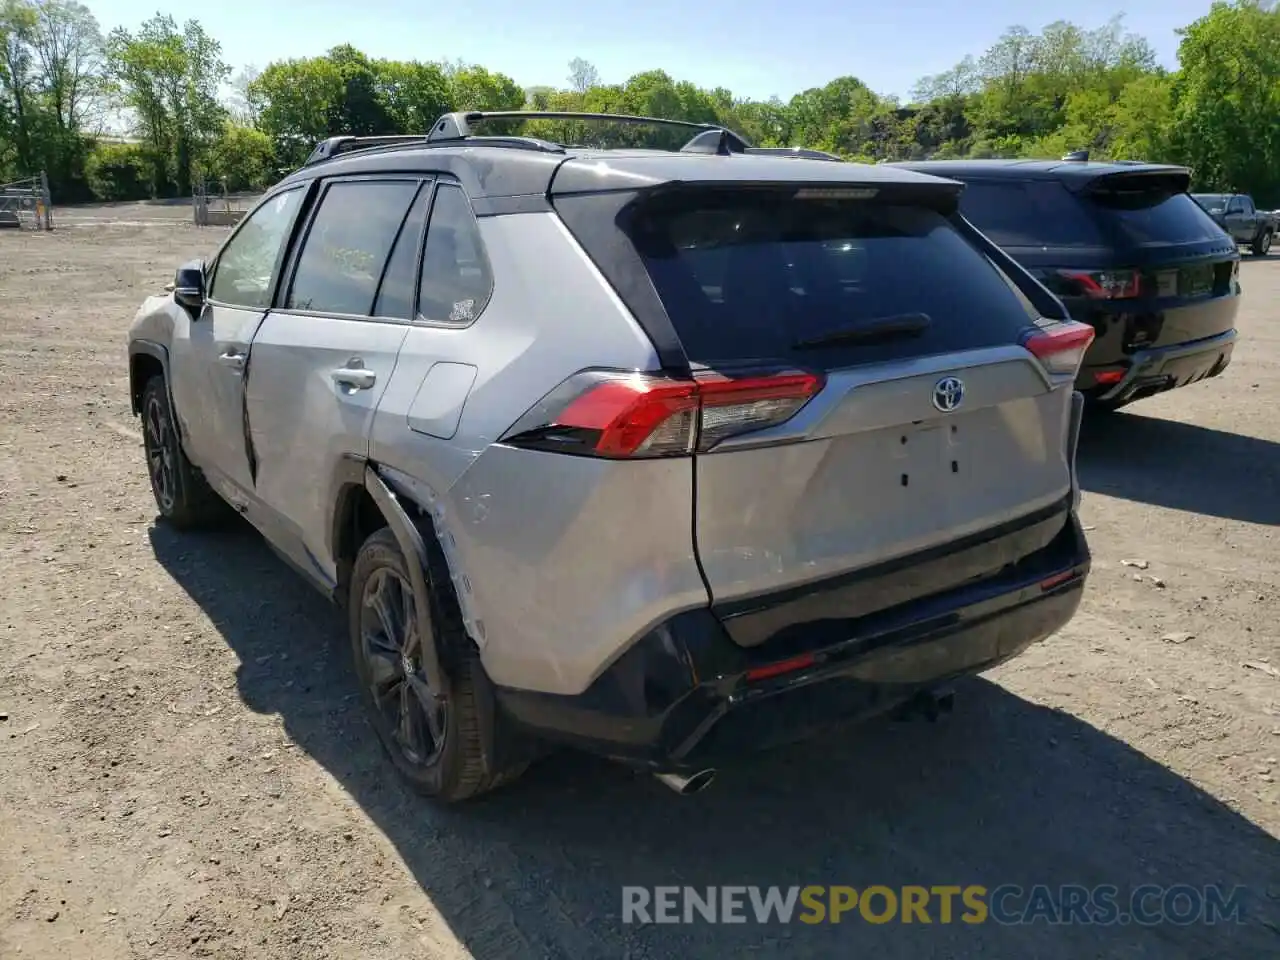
{"points": [[711, 138], [332, 146], [336, 146]]}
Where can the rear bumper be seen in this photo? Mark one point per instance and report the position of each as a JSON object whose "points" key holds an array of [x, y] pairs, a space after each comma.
{"points": [[686, 696], [1159, 369]]}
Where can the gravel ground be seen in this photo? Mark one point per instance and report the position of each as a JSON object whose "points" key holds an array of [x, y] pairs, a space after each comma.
{"points": [[184, 770]]}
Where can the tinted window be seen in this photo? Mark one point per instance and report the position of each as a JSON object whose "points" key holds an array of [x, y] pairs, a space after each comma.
{"points": [[1044, 213], [1211, 201], [456, 278], [347, 246], [750, 276], [395, 298], [246, 268], [1028, 213], [1153, 218]]}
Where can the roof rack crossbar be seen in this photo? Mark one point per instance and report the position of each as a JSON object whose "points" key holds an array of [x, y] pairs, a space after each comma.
{"points": [[457, 126]]}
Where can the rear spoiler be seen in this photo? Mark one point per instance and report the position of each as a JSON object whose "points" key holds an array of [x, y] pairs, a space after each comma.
{"points": [[1148, 180]]}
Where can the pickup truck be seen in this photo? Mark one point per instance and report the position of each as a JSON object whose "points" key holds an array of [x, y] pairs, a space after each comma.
{"points": [[1236, 214]]}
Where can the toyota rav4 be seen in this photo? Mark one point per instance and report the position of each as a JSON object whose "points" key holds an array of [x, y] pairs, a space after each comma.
{"points": [[669, 455]]}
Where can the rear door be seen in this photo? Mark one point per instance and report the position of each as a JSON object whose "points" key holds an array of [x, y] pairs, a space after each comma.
{"points": [[1130, 253], [931, 422], [322, 359]]}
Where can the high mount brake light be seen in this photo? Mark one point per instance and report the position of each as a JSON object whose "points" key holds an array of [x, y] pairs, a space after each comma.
{"points": [[1060, 348], [616, 415]]}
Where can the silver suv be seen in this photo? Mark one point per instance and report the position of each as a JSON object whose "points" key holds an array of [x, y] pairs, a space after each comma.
{"points": [[665, 454]]}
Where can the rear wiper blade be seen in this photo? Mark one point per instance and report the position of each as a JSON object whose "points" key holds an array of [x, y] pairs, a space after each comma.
{"points": [[882, 330]]}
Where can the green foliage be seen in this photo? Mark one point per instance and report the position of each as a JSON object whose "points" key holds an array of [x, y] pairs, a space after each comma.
{"points": [[118, 171], [170, 78], [243, 158], [1031, 94], [1227, 98]]}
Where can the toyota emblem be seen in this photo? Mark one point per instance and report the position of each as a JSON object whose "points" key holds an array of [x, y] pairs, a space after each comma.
{"points": [[947, 394]]}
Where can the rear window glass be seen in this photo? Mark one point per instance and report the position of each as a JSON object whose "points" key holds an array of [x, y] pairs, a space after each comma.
{"points": [[754, 277], [1155, 219], [1029, 213], [1044, 213]]}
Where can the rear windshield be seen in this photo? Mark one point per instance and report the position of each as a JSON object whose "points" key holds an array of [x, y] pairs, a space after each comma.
{"points": [[759, 276], [1044, 213]]}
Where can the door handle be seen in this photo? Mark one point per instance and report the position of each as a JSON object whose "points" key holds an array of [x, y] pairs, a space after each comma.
{"points": [[233, 359], [356, 378]]}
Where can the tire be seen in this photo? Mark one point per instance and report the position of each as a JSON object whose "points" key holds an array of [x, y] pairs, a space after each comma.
{"points": [[182, 495], [1262, 244], [451, 767]]}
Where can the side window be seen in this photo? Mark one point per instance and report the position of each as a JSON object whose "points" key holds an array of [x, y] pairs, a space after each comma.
{"points": [[1235, 206], [347, 245], [1246, 206], [395, 298], [246, 269], [456, 278]]}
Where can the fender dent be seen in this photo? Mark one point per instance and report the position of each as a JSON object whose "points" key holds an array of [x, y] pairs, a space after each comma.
{"points": [[415, 551]]}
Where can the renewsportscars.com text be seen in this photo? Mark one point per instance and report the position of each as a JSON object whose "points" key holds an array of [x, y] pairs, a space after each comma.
{"points": [[1007, 904]]}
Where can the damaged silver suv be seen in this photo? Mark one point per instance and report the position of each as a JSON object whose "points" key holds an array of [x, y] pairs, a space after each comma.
{"points": [[670, 455]]}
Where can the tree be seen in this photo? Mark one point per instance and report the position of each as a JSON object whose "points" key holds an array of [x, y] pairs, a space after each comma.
{"points": [[17, 27], [170, 78], [1228, 98], [297, 103], [582, 75], [242, 158]]}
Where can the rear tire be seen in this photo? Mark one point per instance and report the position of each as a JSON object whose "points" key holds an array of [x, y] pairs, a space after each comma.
{"points": [[436, 745], [1262, 244], [184, 498]]}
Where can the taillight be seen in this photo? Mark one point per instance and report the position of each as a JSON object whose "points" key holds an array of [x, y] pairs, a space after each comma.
{"points": [[1105, 284], [620, 415], [1060, 348]]}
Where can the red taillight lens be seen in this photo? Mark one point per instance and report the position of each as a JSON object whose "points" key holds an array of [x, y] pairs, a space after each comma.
{"points": [[1105, 284], [636, 415], [1060, 348]]}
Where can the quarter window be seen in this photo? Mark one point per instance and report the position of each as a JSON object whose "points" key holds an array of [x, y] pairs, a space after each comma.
{"points": [[347, 246], [247, 267], [456, 278]]}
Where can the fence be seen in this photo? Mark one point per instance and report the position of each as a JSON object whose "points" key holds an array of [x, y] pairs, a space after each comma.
{"points": [[215, 208], [25, 204]]}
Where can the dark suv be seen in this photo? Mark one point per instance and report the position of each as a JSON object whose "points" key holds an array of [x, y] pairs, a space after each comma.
{"points": [[1128, 251]]}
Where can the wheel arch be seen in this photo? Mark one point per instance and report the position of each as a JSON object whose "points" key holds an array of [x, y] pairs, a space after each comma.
{"points": [[147, 359], [368, 498]]}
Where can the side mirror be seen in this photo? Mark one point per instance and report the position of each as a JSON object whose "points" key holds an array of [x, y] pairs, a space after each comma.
{"points": [[188, 285]]}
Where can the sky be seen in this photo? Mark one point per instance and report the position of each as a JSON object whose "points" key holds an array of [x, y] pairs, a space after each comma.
{"points": [[756, 48]]}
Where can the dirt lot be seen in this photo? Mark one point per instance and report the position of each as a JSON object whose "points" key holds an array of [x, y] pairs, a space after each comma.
{"points": [[184, 771]]}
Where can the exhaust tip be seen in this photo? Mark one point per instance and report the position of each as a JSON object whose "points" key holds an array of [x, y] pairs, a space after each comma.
{"points": [[687, 786]]}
